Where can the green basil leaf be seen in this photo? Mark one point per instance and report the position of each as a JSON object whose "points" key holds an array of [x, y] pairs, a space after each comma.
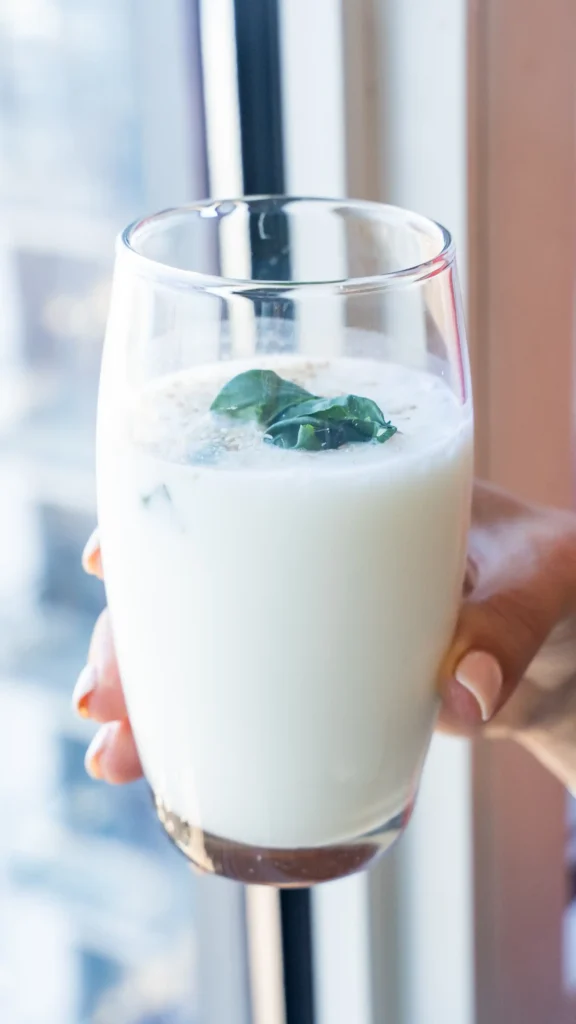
{"points": [[343, 407], [160, 493], [307, 438], [314, 433], [259, 395], [385, 432], [330, 423], [294, 418]]}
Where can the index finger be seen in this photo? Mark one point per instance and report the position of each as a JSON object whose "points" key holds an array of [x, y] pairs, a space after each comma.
{"points": [[91, 558]]}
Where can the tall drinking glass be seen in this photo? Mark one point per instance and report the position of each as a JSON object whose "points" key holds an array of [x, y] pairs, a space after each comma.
{"points": [[284, 478]]}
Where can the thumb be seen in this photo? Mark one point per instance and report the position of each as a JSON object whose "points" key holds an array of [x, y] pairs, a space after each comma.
{"points": [[501, 628]]}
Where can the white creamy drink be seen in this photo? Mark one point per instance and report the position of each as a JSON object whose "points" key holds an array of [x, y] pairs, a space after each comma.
{"points": [[280, 615]]}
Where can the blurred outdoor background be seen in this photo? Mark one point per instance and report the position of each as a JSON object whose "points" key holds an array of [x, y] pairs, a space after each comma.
{"points": [[96, 908]]}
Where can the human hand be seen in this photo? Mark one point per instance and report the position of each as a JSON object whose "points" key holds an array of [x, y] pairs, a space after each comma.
{"points": [[98, 695], [509, 670]]}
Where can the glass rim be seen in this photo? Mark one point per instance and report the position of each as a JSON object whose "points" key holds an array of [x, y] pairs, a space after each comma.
{"points": [[199, 281]]}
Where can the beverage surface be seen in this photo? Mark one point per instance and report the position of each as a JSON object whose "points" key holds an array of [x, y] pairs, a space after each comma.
{"points": [[172, 417]]}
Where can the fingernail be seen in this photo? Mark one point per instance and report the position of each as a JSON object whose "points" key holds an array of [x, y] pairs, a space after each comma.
{"points": [[481, 675], [83, 690], [98, 748], [91, 554]]}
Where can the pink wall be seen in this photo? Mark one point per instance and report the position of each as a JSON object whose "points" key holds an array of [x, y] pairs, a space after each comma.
{"points": [[522, 275]]}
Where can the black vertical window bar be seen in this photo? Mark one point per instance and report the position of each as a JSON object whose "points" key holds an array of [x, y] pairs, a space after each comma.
{"points": [[260, 103]]}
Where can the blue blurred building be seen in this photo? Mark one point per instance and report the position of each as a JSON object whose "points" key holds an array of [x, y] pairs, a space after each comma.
{"points": [[96, 908]]}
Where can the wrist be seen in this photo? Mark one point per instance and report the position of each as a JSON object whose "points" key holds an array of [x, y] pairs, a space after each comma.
{"points": [[541, 713]]}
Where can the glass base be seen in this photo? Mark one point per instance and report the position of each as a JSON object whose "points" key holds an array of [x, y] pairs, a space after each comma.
{"points": [[284, 869]]}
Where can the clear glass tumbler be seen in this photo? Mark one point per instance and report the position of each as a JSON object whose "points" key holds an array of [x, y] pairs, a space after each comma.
{"points": [[284, 562]]}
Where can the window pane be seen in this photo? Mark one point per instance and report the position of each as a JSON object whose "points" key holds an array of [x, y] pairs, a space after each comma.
{"points": [[98, 910]]}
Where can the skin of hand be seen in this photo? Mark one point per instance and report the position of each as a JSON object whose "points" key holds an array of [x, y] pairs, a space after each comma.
{"points": [[510, 671]]}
